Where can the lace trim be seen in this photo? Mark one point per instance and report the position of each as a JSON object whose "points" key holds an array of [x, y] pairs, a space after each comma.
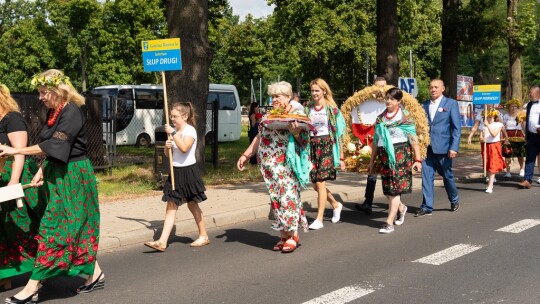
{"points": [[60, 135]]}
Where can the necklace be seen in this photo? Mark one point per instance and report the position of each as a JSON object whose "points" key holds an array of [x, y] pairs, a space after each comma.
{"points": [[53, 115], [318, 108], [393, 115]]}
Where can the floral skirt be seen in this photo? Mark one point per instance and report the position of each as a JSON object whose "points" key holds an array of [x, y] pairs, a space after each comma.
{"points": [[69, 231], [19, 226], [189, 186], [495, 161], [322, 159], [398, 181]]}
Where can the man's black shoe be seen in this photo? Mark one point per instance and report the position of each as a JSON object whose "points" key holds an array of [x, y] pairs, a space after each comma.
{"points": [[366, 208], [454, 207], [422, 212]]}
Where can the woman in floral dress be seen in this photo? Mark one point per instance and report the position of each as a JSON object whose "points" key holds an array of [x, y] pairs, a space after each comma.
{"points": [[18, 226], [285, 166], [394, 141], [69, 230]]}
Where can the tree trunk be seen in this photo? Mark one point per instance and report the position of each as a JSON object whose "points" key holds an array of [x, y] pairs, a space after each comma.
{"points": [[450, 46], [188, 20], [387, 41], [514, 53]]}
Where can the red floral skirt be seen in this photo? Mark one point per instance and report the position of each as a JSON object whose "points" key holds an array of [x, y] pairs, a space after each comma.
{"points": [[399, 180], [495, 159]]}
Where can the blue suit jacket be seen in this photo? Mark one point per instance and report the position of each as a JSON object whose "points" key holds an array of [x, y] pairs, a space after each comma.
{"points": [[445, 129]]}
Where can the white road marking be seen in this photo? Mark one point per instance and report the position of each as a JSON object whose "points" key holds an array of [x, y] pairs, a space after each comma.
{"points": [[343, 295], [520, 226], [448, 254]]}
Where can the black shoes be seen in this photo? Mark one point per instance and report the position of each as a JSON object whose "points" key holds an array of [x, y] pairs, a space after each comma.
{"points": [[33, 299], [365, 207], [454, 207], [99, 283], [422, 212]]}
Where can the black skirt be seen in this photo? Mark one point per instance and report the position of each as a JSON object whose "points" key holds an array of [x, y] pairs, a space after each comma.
{"points": [[189, 186]]}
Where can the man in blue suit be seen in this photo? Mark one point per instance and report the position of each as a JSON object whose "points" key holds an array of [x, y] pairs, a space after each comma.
{"points": [[445, 132], [532, 136]]}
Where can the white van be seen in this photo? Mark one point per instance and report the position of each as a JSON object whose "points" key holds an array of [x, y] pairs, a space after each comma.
{"points": [[139, 111]]}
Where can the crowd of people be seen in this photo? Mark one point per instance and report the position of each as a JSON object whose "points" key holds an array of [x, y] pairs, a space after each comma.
{"points": [[56, 231]]}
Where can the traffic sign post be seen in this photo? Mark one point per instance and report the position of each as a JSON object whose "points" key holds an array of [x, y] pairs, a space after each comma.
{"points": [[159, 56]]}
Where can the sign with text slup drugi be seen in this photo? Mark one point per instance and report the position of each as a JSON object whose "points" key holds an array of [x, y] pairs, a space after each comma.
{"points": [[487, 94], [162, 55]]}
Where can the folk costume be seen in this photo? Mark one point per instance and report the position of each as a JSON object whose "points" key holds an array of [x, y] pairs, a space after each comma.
{"points": [[285, 167], [495, 161], [18, 226], [393, 136], [325, 147], [68, 236]]}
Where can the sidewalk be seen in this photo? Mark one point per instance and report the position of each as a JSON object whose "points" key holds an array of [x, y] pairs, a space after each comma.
{"points": [[138, 220]]}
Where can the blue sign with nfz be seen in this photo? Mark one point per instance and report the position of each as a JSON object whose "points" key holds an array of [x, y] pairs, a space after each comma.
{"points": [[168, 60]]}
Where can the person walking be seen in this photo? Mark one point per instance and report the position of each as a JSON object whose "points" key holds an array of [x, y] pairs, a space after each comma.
{"points": [[367, 205], [68, 236], [188, 184], [516, 137], [18, 226], [284, 158], [325, 143], [445, 132], [491, 135], [393, 143], [532, 136]]}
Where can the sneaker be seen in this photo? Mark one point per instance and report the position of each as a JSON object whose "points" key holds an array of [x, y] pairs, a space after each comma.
{"points": [[385, 228], [422, 212], [316, 225], [507, 175], [337, 213], [522, 172], [401, 217], [454, 207], [538, 181], [489, 190]]}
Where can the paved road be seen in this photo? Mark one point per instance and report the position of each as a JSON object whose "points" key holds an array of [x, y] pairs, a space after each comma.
{"points": [[444, 258]]}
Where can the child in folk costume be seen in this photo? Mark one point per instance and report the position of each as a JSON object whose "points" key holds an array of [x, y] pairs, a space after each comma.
{"points": [[189, 186], [491, 135]]}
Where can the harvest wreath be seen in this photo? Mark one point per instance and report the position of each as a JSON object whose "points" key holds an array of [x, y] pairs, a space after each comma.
{"points": [[357, 152]]}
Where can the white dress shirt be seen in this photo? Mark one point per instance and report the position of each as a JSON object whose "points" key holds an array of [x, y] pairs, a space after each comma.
{"points": [[433, 106], [533, 118]]}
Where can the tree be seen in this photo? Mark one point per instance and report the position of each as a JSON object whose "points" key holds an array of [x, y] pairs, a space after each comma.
{"points": [[450, 46], [188, 20], [387, 41]]}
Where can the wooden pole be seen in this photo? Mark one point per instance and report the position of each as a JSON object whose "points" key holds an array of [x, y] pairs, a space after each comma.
{"points": [[166, 109]]}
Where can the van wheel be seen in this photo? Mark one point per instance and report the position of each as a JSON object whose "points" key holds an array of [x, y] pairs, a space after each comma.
{"points": [[209, 138], [143, 140]]}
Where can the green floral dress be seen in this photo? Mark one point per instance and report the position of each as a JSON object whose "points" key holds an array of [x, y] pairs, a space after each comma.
{"points": [[68, 236], [18, 226]]}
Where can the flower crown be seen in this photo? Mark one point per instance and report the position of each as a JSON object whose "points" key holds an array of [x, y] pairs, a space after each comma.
{"points": [[49, 81], [513, 101], [491, 113]]}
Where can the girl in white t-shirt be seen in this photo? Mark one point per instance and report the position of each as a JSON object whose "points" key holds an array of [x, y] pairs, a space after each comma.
{"points": [[189, 187], [491, 135]]}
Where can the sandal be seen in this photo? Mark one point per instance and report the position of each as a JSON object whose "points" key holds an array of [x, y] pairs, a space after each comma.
{"points": [[201, 241], [156, 245], [290, 245], [279, 245]]}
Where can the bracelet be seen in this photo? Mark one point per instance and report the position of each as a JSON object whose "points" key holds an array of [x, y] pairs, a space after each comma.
{"points": [[244, 156], [418, 161], [341, 158]]}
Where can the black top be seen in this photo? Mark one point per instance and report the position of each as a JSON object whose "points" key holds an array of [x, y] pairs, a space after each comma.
{"points": [[12, 122], [66, 139]]}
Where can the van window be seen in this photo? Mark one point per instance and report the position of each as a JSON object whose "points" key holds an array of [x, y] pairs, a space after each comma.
{"points": [[149, 99], [227, 101]]}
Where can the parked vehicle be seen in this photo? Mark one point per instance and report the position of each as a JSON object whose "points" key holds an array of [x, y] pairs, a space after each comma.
{"points": [[138, 109]]}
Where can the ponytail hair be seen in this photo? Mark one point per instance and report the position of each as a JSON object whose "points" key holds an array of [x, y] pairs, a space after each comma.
{"points": [[186, 108]]}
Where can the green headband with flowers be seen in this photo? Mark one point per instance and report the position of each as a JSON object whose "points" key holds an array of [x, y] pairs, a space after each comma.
{"points": [[491, 113], [513, 101], [49, 81]]}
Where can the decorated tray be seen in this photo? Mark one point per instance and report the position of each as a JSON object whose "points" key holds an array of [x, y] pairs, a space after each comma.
{"points": [[281, 121]]}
